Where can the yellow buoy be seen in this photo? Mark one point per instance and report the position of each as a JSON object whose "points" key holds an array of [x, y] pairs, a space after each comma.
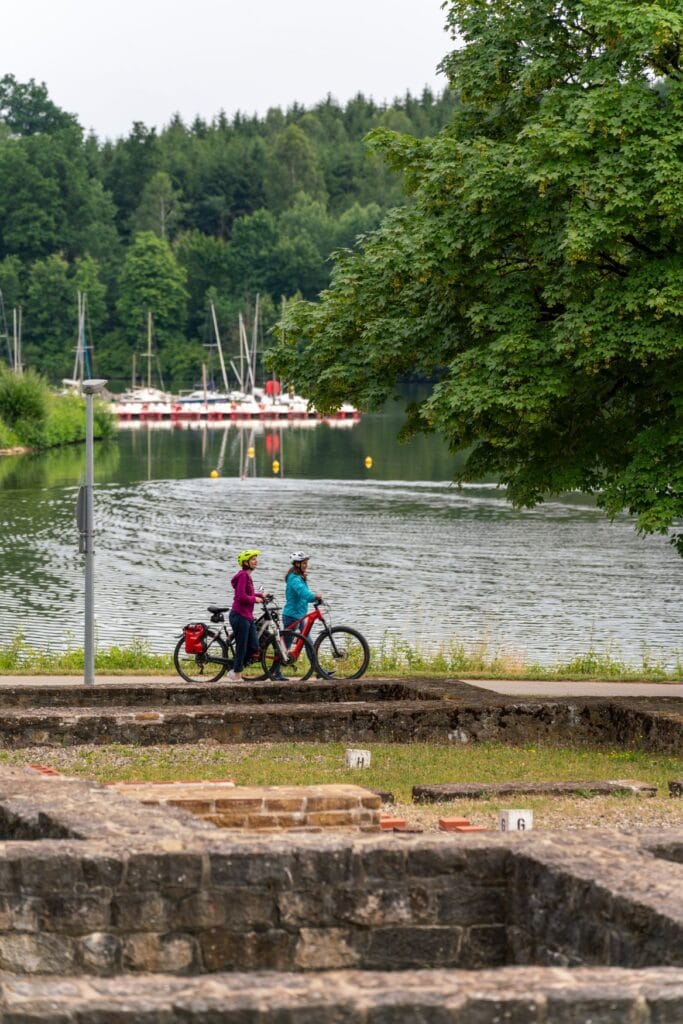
{"points": [[213, 474], [251, 452], [276, 466], [368, 462]]}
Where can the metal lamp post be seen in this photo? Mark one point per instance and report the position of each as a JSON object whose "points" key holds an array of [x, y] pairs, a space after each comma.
{"points": [[86, 525]]}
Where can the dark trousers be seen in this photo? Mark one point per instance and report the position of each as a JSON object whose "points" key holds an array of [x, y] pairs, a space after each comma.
{"points": [[246, 639], [288, 623]]}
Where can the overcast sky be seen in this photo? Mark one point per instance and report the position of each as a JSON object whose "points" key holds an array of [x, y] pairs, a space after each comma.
{"points": [[142, 60]]}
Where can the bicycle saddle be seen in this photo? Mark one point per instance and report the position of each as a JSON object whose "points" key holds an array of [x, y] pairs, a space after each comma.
{"points": [[217, 609]]}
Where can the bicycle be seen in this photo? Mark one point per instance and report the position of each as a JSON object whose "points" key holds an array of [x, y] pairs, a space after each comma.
{"points": [[340, 652], [203, 654]]}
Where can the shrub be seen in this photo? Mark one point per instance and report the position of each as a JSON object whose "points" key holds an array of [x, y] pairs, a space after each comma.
{"points": [[23, 400]]}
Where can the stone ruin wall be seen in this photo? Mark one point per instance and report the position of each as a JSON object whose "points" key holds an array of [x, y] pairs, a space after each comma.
{"points": [[92, 882]]}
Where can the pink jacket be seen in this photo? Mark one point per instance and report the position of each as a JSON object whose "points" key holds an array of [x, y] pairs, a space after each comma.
{"points": [[245, 595]]}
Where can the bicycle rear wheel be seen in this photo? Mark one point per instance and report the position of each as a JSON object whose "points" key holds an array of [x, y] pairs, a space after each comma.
{"points": [[300, 664], [198, 668], [341, 653]]}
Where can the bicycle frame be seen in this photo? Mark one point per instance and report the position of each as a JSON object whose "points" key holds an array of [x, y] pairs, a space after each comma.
{"points": [[305, 624]]}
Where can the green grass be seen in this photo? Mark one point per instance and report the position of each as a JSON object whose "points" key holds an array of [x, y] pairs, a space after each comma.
{"points": [[484, 661], [395, 767], [393, 658]]}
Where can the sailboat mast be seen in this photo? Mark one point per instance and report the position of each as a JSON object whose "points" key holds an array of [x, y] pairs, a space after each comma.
{"points": [[254, 341], [149, 349], [245, 357], [78, 366], [4, 333], [16, 330], [220, 347]]}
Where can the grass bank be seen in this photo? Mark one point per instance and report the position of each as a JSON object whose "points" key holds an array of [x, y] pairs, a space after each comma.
{"points": [[390, 658], [33, 417], [396, 767]]}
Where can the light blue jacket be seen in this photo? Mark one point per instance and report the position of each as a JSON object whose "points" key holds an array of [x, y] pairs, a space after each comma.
{"points": [[297, 596]]}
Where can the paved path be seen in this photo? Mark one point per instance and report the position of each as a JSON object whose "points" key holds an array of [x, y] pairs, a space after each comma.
{"points": [[511, 687], [529, 688]]}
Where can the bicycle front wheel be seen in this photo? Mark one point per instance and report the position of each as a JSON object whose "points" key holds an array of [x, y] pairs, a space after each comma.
{"points": [[341, 653], [300, 662], [255, 670], [199, 668]]}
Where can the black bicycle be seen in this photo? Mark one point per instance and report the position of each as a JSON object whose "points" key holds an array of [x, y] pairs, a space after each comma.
{"points": [[204, 653]]}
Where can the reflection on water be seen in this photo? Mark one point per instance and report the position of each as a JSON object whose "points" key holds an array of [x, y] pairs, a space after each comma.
{"points": [[396, 549]]}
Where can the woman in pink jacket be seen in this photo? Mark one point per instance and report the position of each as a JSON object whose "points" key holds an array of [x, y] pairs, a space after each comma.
{"points": [[242, 612]]}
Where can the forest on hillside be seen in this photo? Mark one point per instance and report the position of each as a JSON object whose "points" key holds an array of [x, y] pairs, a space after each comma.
{"points": [[176, 219]]}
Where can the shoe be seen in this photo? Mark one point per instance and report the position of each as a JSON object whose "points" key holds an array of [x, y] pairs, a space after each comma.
{"points": [[233, 677], [279, 678]]}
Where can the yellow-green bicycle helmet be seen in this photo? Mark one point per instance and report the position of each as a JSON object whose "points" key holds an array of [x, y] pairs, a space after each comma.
{"points": [[244, 556]]}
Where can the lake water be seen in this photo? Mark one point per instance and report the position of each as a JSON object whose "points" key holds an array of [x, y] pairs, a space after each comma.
{"points": [[396, 549]]}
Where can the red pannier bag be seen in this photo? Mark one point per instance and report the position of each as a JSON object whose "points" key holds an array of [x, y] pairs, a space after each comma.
{"points": [[194, 637]]}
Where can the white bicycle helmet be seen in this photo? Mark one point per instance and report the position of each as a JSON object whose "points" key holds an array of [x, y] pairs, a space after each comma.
{"points": [[299, 556]]}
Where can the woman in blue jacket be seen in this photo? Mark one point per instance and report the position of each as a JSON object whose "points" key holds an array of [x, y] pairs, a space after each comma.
{"points": [[298, 595]]}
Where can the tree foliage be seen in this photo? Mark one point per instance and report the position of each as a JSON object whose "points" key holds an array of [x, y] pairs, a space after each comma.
{"points": [[247, 205], [538, 273]]}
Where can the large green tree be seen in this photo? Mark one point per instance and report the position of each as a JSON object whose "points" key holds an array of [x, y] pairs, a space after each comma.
{"points": [[538, 273], [152, 281]]}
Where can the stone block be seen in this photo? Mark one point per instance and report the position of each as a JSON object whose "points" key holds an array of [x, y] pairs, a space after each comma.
{"points": [[151, 952], [666, 1007], [333, 801], [325, 949], [102, 871], [676, 787], [577, 1008], [75, 915], [433, 858], [99, 953], [484, 946], [500, 1009], [20, 913], [248, 909], [461, 901], [392, 948], [36, 954], [274, 821], [227, 819], [50, 872], [163, 871], [222, 950], [452, 824], [147, 911], [388, 823], [252, 867], [313, 909], [383, 861], [200, 910], [330, 819], [284, 803], [331, 865], [198, 807], [385, 905], [245, 804]]}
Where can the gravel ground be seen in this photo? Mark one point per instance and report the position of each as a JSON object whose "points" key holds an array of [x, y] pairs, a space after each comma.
{"points": [[630, 813]]}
